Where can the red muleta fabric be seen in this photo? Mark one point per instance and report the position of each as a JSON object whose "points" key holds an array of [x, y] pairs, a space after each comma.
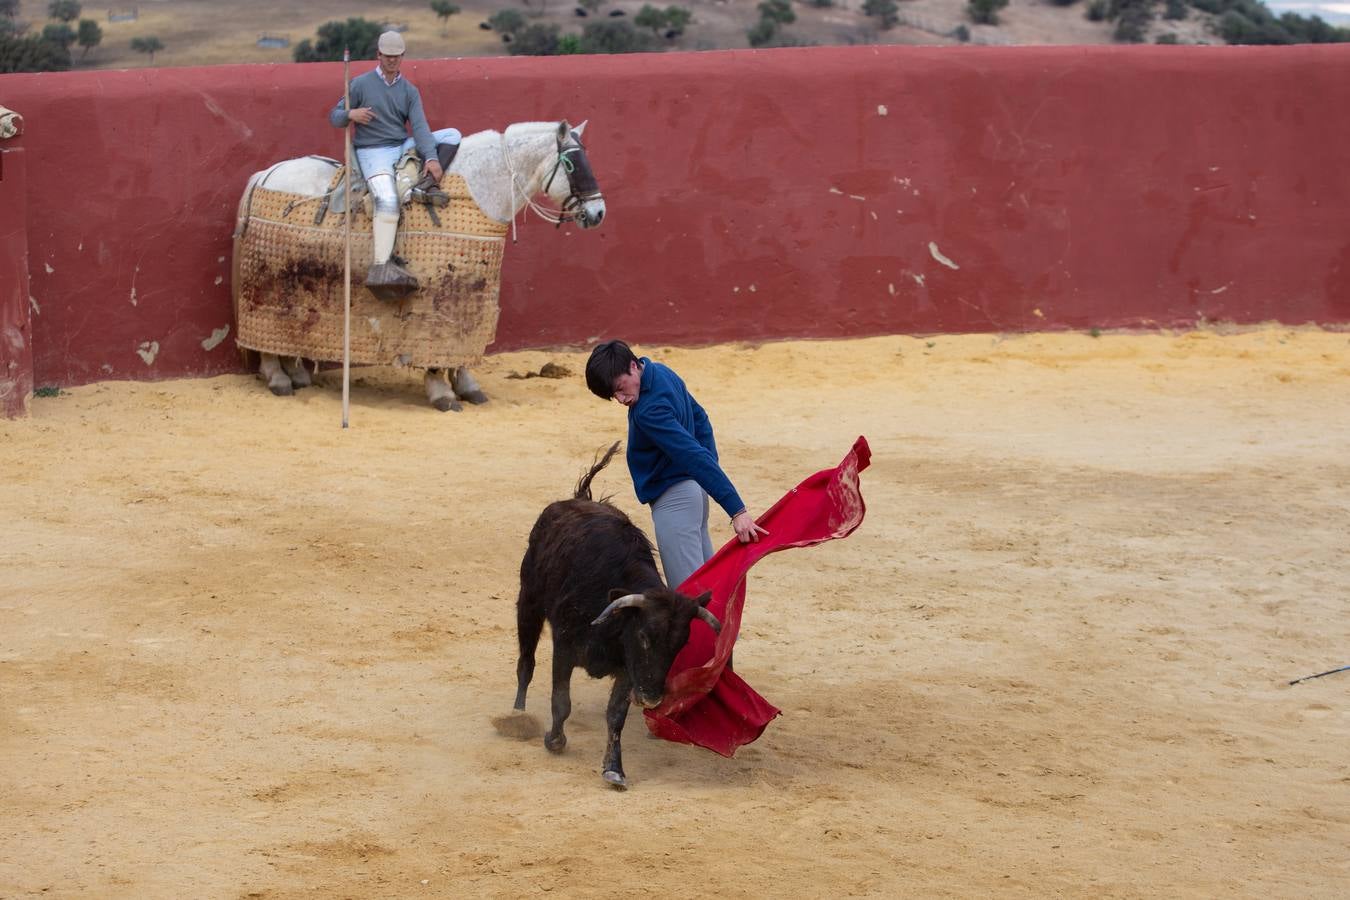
{"points": [[705, 704]]}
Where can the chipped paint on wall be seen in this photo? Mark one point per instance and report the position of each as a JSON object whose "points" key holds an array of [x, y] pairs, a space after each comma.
{"points": [[937, 255], [216, 337], [148, 351]]}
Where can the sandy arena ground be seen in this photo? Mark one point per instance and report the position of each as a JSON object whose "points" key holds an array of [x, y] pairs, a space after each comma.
{"points": [[244, 653]]}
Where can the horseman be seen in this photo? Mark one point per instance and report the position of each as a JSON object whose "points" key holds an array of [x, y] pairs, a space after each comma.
{"points": [[385, 106]]}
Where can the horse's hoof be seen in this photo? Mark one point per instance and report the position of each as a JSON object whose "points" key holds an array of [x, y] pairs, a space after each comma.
{"points": [[281, 390], [475, 397], [617, 780], [447, 404], [555, 744], [300, 378]]}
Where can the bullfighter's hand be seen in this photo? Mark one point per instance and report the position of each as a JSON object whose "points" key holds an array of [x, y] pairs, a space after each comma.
{"points": [[433, 168], [746, 529], [363, 115]]}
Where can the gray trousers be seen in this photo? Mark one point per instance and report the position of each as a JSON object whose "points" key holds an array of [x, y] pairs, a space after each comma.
{"points": [[680, 516]]}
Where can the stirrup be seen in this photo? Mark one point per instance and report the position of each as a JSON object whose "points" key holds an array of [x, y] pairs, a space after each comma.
{"points": [[431, 195], [391, 282]]}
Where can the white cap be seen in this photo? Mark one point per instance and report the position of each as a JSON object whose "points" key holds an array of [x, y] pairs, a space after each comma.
{"points": [[391, 44]]}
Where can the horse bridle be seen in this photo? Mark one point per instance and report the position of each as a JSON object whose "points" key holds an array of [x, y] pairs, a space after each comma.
{"points": [[581, 182]]}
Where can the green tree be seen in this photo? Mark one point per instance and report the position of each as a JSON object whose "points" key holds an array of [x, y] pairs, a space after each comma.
{"points": [[444, 9], [762, 33], [507, 21], [678, 18], [31, 54], [65, 10], [535, 40], [650, 17], [89, 36], [360, 35], [985, 12], [59, 33], [885, 10], [150, 45], [614, 37], [779, 11]]}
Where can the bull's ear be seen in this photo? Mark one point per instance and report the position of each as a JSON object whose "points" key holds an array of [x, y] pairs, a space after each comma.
{"points": [[704, 598]]}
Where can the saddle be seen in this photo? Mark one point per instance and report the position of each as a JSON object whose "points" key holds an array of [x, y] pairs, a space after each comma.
{"points": [[407, 172]]}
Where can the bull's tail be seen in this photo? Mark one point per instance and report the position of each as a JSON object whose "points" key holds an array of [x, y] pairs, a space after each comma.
{"points": [[583, 491]]}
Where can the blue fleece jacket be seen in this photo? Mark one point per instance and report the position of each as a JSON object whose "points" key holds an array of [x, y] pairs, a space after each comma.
{"points": [[670, 439]]}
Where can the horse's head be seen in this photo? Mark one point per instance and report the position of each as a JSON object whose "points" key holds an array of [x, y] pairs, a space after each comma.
{"points": [[578, 193]]}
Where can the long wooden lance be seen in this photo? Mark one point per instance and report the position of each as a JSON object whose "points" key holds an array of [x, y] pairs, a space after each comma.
{"points": [[347, 237]]}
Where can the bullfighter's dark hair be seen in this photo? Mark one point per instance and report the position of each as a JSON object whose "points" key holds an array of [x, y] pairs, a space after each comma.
{"points": [[608, 361]]}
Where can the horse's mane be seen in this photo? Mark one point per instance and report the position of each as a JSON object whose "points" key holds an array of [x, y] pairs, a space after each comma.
{"points": [[511, 130]]}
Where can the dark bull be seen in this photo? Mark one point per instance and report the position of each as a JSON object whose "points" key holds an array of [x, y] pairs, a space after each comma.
{"points": [[590, 573]]}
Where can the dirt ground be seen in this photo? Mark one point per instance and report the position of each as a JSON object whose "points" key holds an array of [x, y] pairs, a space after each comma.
{"points": [[245, 653]]}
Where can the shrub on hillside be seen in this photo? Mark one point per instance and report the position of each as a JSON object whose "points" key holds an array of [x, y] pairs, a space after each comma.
{"points": [[361, 35], [984, 12], [31, 53], [535, 40], [615, 37]]}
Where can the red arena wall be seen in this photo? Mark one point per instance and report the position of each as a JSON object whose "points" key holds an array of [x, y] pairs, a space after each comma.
{"points": [[751, 195]]}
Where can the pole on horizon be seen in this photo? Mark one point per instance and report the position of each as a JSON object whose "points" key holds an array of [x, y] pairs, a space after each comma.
{"points": [[347, 236]]}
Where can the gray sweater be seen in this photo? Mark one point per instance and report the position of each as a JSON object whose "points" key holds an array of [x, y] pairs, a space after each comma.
{"points": [[396, 106]]}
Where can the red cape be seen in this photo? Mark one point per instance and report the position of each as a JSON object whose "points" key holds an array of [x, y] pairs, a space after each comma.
{"points": [[704, 703]]}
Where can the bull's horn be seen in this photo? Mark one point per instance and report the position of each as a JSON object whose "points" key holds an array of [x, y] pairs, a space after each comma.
{"points": [[638, 600], [710, 619]]}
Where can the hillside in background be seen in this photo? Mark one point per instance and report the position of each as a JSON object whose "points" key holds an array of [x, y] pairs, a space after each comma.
{"points": [[208, 32]]}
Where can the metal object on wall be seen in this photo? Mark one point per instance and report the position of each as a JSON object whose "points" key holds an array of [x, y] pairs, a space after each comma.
{"points": [[289, 297]]}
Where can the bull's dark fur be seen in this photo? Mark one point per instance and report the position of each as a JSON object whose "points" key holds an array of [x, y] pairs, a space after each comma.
{"points": [[583, 554]]}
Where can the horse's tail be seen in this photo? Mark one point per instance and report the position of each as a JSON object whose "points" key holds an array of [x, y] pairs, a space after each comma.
{"points": [[583, 491]]}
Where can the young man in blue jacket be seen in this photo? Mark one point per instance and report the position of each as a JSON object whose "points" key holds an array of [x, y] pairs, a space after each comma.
{"points": [[672, 457]]}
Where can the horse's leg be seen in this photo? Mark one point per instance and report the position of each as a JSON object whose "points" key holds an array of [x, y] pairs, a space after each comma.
{"points": [[294, 367], [466, 387], [278, 382], [439, 391]]}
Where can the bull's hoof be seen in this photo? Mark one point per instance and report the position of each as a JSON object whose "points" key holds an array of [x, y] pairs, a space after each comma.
{"points": [[555, 744], [475, 397], [616, 779], [447, 404]]}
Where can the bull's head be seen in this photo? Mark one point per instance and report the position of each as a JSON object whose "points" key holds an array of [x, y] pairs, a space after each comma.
{"points": [[655, 629]]}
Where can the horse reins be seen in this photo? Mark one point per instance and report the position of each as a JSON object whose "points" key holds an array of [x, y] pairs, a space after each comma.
{"points": [[579, 194]]}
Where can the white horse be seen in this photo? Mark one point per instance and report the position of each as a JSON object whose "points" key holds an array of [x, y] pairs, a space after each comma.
{"points": [[503, 172]]}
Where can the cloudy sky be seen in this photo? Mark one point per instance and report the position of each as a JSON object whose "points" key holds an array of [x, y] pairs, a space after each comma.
{"points": [[1334, 13]]}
